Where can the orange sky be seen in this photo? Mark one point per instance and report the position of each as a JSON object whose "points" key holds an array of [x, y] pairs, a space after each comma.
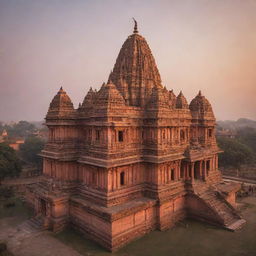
{"points": [[198, 44]]}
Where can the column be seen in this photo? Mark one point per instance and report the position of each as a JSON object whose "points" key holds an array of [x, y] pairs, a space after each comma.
{"points": [[192, 171], [204, 169], [201, 171], [213, 163]]}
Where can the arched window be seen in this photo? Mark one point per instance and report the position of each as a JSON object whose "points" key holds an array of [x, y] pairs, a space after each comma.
{"points": [[122, 176]]}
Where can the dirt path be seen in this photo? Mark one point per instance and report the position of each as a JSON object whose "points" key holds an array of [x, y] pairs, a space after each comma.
{"points": [[32, 243], [24, 240], [41, 244]]}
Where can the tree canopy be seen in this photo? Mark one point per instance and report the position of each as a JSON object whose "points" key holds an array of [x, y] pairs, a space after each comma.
{"points": [[235, 153], [20, 129], [10, 165], [30, 149]]}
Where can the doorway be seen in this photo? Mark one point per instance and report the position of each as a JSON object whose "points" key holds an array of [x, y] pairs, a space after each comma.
{"points": [[43, 207]]}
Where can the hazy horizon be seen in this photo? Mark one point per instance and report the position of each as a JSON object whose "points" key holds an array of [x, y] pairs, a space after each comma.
{"points": [[206, 45]]}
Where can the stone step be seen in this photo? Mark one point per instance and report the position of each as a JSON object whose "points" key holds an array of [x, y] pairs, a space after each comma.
{"points": [[32, 225], [230, 219], [236, 225], [220, 206]]}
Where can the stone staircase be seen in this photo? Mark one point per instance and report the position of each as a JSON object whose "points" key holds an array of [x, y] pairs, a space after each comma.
{"points": [[231, 219], [32, 225]]}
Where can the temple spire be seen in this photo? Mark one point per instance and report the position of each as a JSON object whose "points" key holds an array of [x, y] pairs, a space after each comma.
{"points": [[135, 30]]}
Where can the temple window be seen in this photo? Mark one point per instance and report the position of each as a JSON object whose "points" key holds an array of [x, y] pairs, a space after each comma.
{"points": [[122, 176], [210, 133], [97, 134], [120, 136], [172, 174]]}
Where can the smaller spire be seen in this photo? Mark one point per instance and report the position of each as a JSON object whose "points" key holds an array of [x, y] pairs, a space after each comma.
{"points": [[199, 93], [135, 30], [180, 94]]}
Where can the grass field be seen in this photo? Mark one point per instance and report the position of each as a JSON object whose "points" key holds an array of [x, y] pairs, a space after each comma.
{"points": [[192, 239]]}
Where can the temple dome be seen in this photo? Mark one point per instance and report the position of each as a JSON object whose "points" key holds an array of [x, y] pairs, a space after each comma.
{"points": [[201, 106], [135, 73], [61, 105]]}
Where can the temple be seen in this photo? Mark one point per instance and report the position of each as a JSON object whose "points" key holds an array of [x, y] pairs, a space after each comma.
{"points": [[132, 158]]}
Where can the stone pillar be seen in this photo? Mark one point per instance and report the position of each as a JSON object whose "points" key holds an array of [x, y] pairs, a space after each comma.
{"points": [[204, 169], [192, 171], [201, 171]]}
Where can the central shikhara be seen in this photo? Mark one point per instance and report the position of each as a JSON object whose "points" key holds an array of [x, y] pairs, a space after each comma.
{"points": [[132, 158]]}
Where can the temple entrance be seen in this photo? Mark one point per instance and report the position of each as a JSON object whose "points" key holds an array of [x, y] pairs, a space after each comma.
{"points": [[43, 207]]}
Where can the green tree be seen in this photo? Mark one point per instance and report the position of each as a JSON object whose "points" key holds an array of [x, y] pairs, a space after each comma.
{"points": [[20, 129], [247, 136], [30, 149], [235, 153], [10, 165]]}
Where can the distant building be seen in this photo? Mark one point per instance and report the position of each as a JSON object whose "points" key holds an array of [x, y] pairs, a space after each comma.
{"points": [[226, 133], [132, 158], [15, 143]]}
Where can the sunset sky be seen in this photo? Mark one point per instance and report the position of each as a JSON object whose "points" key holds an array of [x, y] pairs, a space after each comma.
{"points": [[207, 45]]}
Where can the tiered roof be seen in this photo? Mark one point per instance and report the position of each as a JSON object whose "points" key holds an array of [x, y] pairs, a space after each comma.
{"points": [[201, 107], [181, 101], [61, 105]]}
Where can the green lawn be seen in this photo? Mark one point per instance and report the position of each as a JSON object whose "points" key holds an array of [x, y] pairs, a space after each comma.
{"points": [[192, 239]]}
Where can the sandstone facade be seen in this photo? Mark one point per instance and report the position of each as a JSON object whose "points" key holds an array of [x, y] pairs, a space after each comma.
{"points": [[132, 158]]}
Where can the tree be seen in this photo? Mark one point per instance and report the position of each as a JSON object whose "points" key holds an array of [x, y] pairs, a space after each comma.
{"points": [[235, 153], [20, 129], [247, 136], [30, 149], [10, 165]]}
